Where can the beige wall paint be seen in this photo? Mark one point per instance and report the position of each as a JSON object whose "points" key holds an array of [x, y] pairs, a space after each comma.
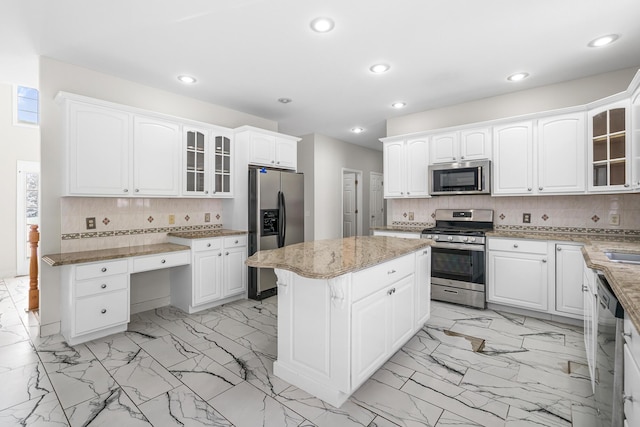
{"points": [[306, 147], [17, 142], [329, 157], [57, 76], [544, 98]]}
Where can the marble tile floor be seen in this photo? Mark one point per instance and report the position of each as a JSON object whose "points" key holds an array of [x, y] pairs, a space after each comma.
{"points": [[214, 368]]}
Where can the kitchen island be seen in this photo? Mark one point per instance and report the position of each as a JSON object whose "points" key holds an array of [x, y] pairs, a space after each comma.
{"points": [[345, 306]]}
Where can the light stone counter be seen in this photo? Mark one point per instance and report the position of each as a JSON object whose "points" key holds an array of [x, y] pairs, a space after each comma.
{"points": [[399, 228], [624, 279], [56, 260], [206, 234], [326, 259]]}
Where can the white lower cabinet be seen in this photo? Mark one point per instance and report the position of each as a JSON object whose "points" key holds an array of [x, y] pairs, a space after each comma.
{"points": [[590, 303], [334, 333], [569, 273], [216, 275], [631, 373], [517, 271], [95, 300]]}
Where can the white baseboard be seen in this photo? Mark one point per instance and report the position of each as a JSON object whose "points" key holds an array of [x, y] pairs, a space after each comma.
{"points": [[150, 305]]}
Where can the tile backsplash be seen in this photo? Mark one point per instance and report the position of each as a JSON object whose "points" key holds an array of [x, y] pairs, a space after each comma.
{"points": [[122, 222], [588, 211]]}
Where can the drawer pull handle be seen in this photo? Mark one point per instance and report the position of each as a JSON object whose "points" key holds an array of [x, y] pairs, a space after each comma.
{"points": [[515, 245], [163, 261], [626, 335], [103, 269], [103, 286], [391, 291], [103, 311], [208, 245], [626, 398], [391, 271], [450, 291], [236, 242]]}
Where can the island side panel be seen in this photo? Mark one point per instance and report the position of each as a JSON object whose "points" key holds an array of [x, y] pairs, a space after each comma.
{"points": [[314, 334], [423, 287]]}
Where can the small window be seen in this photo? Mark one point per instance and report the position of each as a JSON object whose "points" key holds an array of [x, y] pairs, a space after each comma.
{"points": [[27, 108]]}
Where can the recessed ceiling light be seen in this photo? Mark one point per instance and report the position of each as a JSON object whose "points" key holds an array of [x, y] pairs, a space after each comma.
{"points": [[187, 79], [604, 40], [517, 77], [399, 104], [357, 130], [285, 100], [379, 68], [322, 25]]}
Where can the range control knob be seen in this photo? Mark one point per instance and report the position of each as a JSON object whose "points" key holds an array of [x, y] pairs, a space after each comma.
{"points": [[429, 236], [465, 239], [450, 238], [472, 239], [436, 237]]}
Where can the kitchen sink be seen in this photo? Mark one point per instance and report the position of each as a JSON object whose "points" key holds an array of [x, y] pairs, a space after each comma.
{"points": [[622, 257]]}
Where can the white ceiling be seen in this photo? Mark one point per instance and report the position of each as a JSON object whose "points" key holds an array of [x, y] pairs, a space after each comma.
{"points": [[248, 53]]}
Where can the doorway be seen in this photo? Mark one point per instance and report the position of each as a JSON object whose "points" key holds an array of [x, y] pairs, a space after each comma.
{"points": [[28, 211], [376, 200], [351, 203]]}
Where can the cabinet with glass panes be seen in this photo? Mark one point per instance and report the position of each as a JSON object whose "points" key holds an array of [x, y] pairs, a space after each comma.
{"points": [[609, 148], [222, 164], [196, 168]]}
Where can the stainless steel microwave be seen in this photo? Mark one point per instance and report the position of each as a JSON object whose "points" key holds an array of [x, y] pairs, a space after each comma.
{"points": [[472, 177]]}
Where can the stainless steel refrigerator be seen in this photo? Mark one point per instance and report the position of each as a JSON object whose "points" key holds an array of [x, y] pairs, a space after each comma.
{"points": [[276, 219]]}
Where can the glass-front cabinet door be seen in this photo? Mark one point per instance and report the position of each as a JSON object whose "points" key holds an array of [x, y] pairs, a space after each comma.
{"points": [[222, 164], [609, 148], [196, 151]]}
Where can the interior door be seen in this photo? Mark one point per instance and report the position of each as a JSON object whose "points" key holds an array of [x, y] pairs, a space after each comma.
{"points": [[376, 200], [349, 225]]}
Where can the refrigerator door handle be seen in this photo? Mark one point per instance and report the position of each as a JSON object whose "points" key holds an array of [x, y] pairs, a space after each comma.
{"points": [[280, 220], [283, 228]]}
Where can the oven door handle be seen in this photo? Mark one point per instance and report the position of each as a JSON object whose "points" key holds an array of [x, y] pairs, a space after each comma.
{"points": [[462, 246]]}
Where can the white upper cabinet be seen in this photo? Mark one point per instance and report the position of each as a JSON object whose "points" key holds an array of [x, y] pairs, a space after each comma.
{"points": [[561, 154], [405, 168], [98, 150], [609, 143], [460, 146], [635, 139], [513, 158], [222, 163], [156, 157], [271, 149], [196, 162]]}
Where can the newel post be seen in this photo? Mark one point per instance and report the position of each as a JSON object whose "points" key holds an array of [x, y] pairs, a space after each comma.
{"points": [[34, 293]]}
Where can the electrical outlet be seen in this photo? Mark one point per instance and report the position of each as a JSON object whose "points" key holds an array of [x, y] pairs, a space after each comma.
{"points": [[172, 219], [526, 218], [91, 223], [410, 216], [614, 219], [207, 217]]}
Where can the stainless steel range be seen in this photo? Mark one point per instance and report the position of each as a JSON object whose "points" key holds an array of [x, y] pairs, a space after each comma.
{"points": [[458, 256]]}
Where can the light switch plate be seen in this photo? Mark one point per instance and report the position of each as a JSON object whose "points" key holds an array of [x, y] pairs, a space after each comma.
{"points": [[410, 216], [172, 219], [207, 217], [91, 223]]}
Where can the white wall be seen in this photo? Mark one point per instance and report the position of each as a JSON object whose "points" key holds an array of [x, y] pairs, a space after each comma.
{"points": [[325, 202], [551, 97], [306, 165], [57, 76], [17, 143]]}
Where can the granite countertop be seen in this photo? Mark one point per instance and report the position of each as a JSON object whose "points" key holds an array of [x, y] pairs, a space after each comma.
{"points": [[399, 228], [624, 279], [56, 260], [206, 234], [326, 259]]}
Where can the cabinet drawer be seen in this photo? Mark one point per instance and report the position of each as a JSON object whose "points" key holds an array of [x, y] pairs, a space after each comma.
{"points": [[156, 262], [99, 286], [101, 269], [516, 245], [101, 311], [368, 281], [235, 241], [207, 244], [631, 388]]}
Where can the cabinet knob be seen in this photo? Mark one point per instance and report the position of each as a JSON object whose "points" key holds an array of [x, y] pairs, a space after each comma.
{"points": [[137, 190], [391, 271], [529, 189], [103, 311], [515, 245], [103, 269], [103, 286], [626, 185], [544, 260], [626, 398], [408, 193], [540, 188], [559, 249], [454, 158], [219, 253], [273, 161], [584, 288], [626, 335], [126, 190], [163, 261], [278, 162], [402, 192], [226, 253], [208, 245], [461, 158], [206, 192], [236, 242]]}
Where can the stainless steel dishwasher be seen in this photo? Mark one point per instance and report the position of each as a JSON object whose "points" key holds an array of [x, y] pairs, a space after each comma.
{"points": [[609, 357]]}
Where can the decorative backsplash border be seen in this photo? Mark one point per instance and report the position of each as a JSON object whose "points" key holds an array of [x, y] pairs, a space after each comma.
{"points": [[576, 230], [136, 231], [412, 224]]}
